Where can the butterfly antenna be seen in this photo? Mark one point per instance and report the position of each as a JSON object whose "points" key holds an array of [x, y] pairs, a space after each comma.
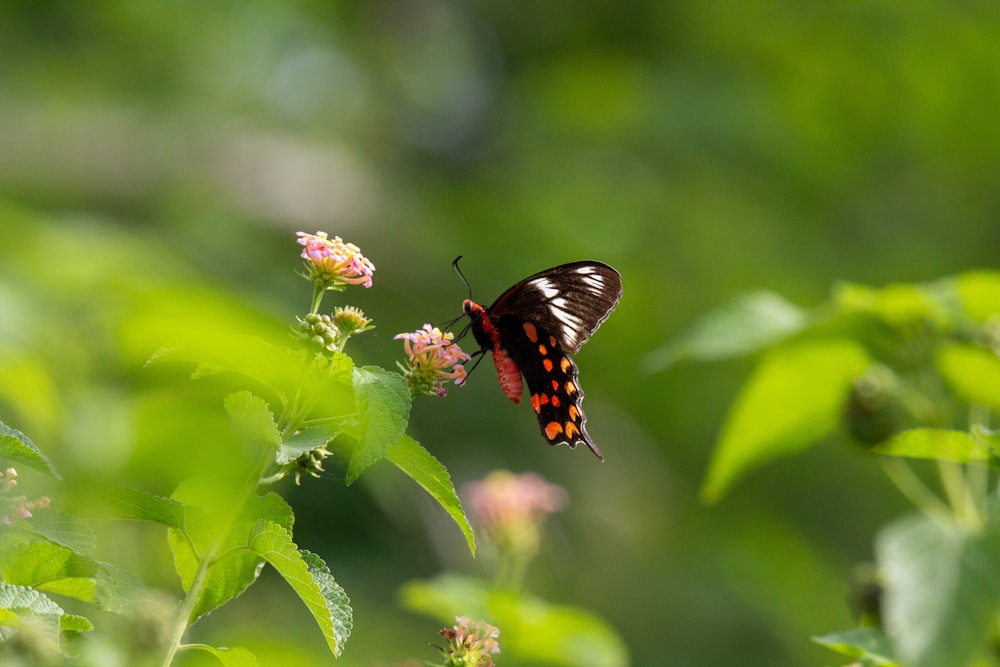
{"points": [[454, 265]]}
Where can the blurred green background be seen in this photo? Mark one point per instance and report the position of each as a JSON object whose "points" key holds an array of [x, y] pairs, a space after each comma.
{"points": [[157, 158]]}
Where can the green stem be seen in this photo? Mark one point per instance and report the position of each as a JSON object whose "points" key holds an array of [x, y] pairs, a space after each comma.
{"points": [[208, 558], [317, 297], [913, 488]]}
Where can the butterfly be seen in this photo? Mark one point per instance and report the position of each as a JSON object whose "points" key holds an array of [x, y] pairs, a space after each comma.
{"points": [[533, 327]]}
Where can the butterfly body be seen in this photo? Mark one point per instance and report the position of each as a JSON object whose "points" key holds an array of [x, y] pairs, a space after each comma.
{"points": [[531, 330]]}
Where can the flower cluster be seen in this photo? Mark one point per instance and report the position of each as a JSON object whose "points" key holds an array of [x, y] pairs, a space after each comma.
{"points": [[433, 357], [470, 643], [511, 508], [331, 263], [15, 507]]}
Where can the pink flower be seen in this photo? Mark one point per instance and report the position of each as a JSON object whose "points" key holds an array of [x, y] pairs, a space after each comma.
{"points": [[16, 507], [511, 508], [333, 263], [433, 357], [470, 643]]}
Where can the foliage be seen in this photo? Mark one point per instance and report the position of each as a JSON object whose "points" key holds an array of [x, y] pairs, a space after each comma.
{"points": [[912, 372], [224, 525]]}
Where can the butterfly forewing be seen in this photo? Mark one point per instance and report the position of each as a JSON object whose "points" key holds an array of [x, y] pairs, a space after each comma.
{"points": [[568, 301]]}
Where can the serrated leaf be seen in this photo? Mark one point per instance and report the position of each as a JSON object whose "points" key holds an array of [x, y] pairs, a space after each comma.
{"points": [[74, 623], [310, 579], [410, 457], [972, 372], [18, 448], [532, 630], [215, 532], [253, 417], [305, 440], [934, 443], [942, 587], [143, 506], [65, 529], [23, 598], [237, 656], [383, 408], [869, 645], [746, 324], [794, 397]]}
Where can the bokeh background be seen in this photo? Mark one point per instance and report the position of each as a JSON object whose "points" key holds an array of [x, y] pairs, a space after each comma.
{"points": [[157, 158]]}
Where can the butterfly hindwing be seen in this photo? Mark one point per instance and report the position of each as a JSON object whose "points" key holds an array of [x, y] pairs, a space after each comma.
{"points": [[554, 392]]}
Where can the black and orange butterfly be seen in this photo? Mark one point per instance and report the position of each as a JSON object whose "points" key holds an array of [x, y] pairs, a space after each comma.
{"points": [[533, 328]]}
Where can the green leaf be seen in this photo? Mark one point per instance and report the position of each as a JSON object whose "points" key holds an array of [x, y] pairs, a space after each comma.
{"points": [[19, 448], [51, 567], [979, 292], [74, 623], [794, 397], [209, 507], [115, 588], [973, 373], [942, 587], [900, 304], [27, 599], [254, 418], [383, 408], [531, 630], [934, 443], [410, 457], [869, 645], [746, 324], [309, 578], [236, 656], [64, 529], [306, 440], [142, 506]]}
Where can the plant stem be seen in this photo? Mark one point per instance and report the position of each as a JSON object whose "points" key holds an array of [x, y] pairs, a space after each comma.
{"points": [[913, 488]]}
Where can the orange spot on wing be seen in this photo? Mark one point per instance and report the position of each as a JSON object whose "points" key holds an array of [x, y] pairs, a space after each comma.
{"points": [[536, 403], [555, 400], [574, 414], [555, 385], [542, 350], [570, 388], [565, 364], [543, 399], [552, 341], [548, 364], [531, 332], [571, 428], [552, 429]]}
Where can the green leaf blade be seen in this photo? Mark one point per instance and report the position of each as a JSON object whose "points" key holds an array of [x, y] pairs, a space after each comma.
{"points": [[746, 324], [942, 588], [935, 444], [794, 397], [383, 407], [310, 579], [18, 448], [254, 418], [869, 645], [972, 372], [142, 506], [423, 468]]}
